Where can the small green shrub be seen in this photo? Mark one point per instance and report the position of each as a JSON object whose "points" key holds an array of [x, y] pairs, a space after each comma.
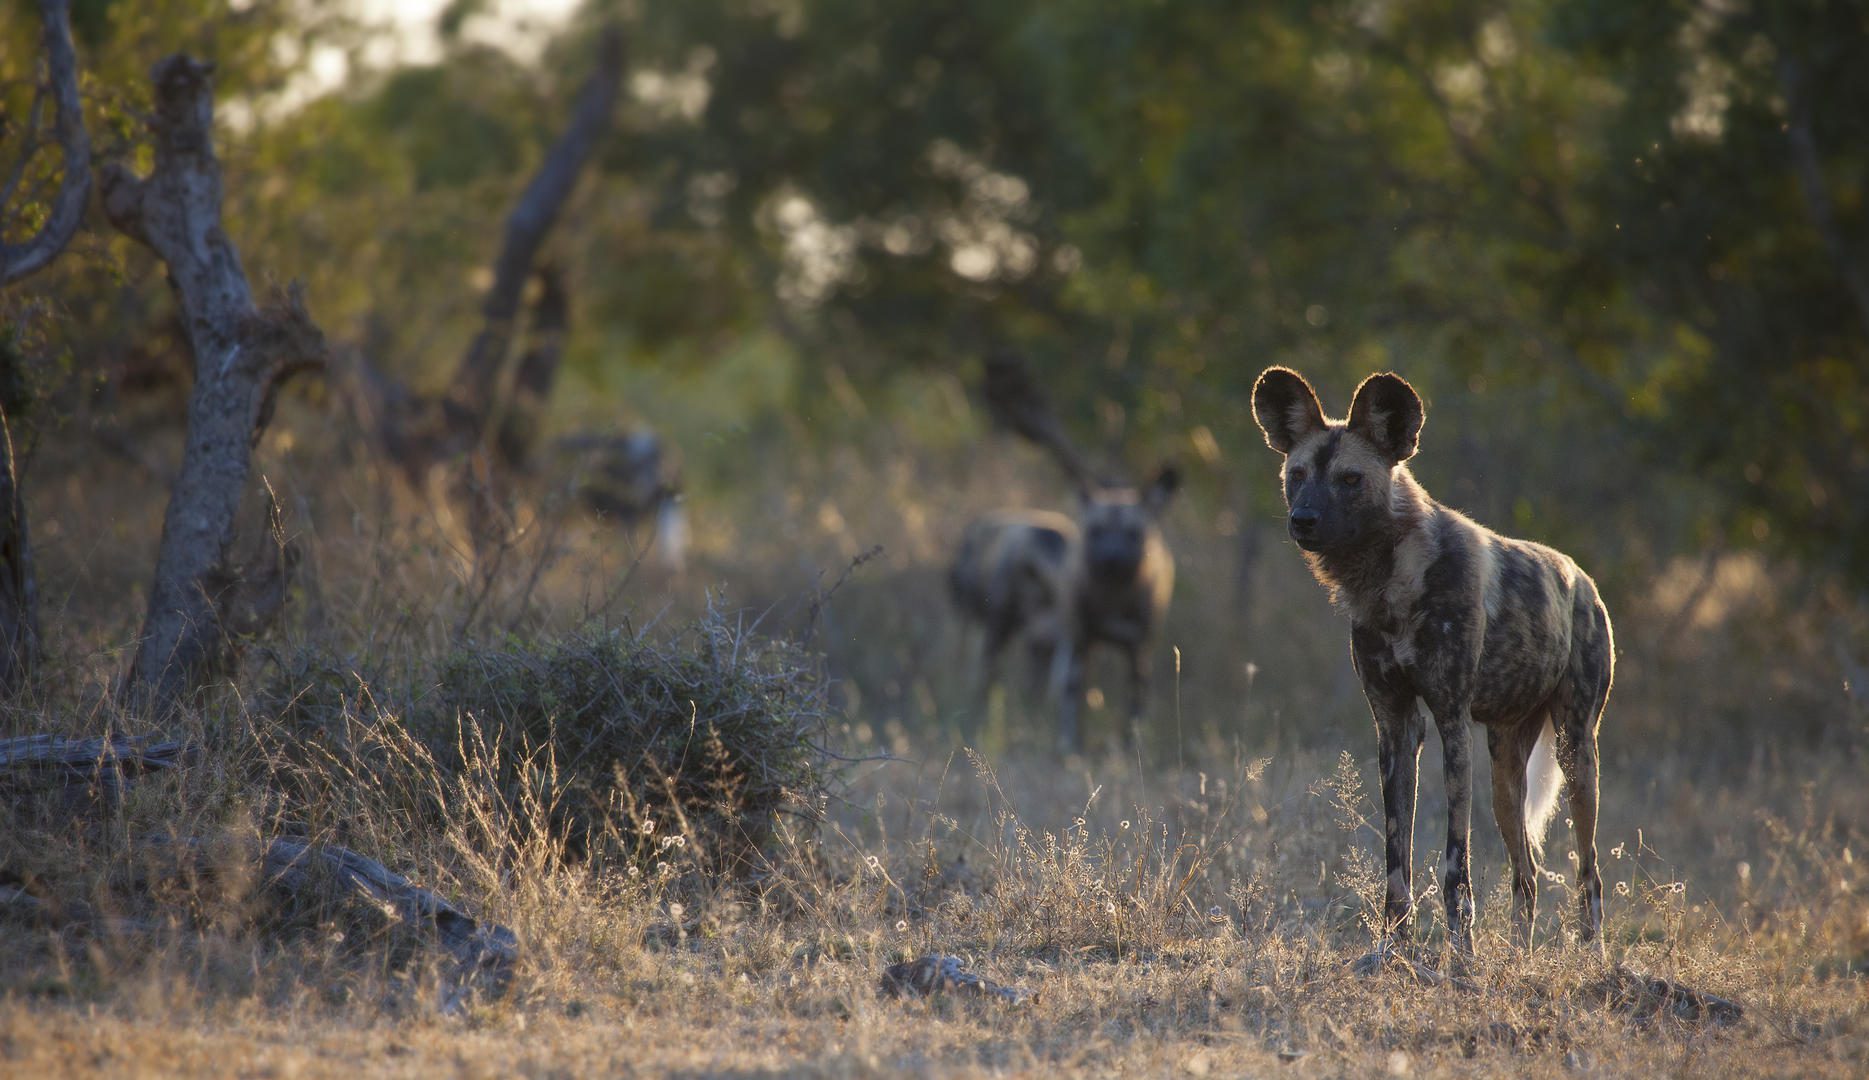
{"points": [[619, 743]]}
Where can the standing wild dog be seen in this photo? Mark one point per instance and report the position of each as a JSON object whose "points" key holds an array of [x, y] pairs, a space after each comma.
{"points": [[1062, 586], [1122, 577], [1448, 614], [1011, 575]]}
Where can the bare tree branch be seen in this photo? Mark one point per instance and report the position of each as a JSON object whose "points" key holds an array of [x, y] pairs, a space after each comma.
{"points": [[34, 254], [417, 432], [484, 953], [241, 353], [34, 113]]}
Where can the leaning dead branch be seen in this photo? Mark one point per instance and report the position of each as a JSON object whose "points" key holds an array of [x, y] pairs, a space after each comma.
{"points": [[1019, 404], [518, 435], [243, 352], [420, 433], [477, 379]]}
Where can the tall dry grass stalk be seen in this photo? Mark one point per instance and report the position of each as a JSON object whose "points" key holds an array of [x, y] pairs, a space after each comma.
{"points": [[1197, 917]]}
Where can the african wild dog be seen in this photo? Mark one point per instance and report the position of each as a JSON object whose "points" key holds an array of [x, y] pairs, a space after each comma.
{"points": [[626, 478], [1064, 586], [1449, 615], [1123, 577], [1009, 575]]}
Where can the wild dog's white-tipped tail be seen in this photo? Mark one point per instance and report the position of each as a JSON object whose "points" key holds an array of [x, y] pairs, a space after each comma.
{"points": [[671, 535], [1542, 777]]}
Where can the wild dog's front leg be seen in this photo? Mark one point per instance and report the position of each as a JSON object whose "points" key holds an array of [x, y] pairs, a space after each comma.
{"points": [[1399, 734], [1067, 678], [1140, 673], [1456, 871]]}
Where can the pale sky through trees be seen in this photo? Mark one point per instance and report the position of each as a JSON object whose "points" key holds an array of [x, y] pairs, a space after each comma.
{"points": [[520, 27]]}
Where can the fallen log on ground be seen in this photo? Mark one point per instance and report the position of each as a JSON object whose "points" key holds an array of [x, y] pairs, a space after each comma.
{"points": [[82, 760], [484, 954], [82, 771]]}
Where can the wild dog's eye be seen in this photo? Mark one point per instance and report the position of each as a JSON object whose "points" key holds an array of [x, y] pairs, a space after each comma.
{"points": [[1350, 479], [1297, 475]]}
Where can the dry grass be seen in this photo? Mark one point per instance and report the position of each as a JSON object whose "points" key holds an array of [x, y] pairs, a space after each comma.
{"points": [[1192, 910]]}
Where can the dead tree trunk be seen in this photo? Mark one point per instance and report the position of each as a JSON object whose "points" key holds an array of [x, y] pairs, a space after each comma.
{"points": [[477, 379], [74, 187], [242, 352]]}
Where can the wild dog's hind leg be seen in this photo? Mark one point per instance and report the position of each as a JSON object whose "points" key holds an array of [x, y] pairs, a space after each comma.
{"points": [[1577, 714], [1511, 749], [1040, 654], [1454, 723], [993, 640]]}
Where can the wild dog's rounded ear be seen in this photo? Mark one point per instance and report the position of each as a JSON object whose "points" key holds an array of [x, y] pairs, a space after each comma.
{"points": [[1286, 408], [1388, 412], [1167, 481]]}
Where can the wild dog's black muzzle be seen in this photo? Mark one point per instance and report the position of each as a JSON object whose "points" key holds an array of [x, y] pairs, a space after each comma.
{"points": [[1303, 524], [1115, 568]]}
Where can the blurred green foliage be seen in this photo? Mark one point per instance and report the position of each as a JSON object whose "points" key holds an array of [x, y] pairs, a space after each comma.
{"points": [[1621, 248]]}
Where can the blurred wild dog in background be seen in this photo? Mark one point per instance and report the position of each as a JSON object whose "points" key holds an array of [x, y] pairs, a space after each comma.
{"points": [[1447, 614], [1122, 577], [1011, 575], [1060, 584], [628, 479]]}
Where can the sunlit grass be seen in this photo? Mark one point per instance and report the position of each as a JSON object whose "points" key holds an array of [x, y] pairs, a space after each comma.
{"points": [[1192, 907]]}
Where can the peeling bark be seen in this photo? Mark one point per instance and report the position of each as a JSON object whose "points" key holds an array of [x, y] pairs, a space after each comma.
{"points": [[37, 251], [242, 353]]}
